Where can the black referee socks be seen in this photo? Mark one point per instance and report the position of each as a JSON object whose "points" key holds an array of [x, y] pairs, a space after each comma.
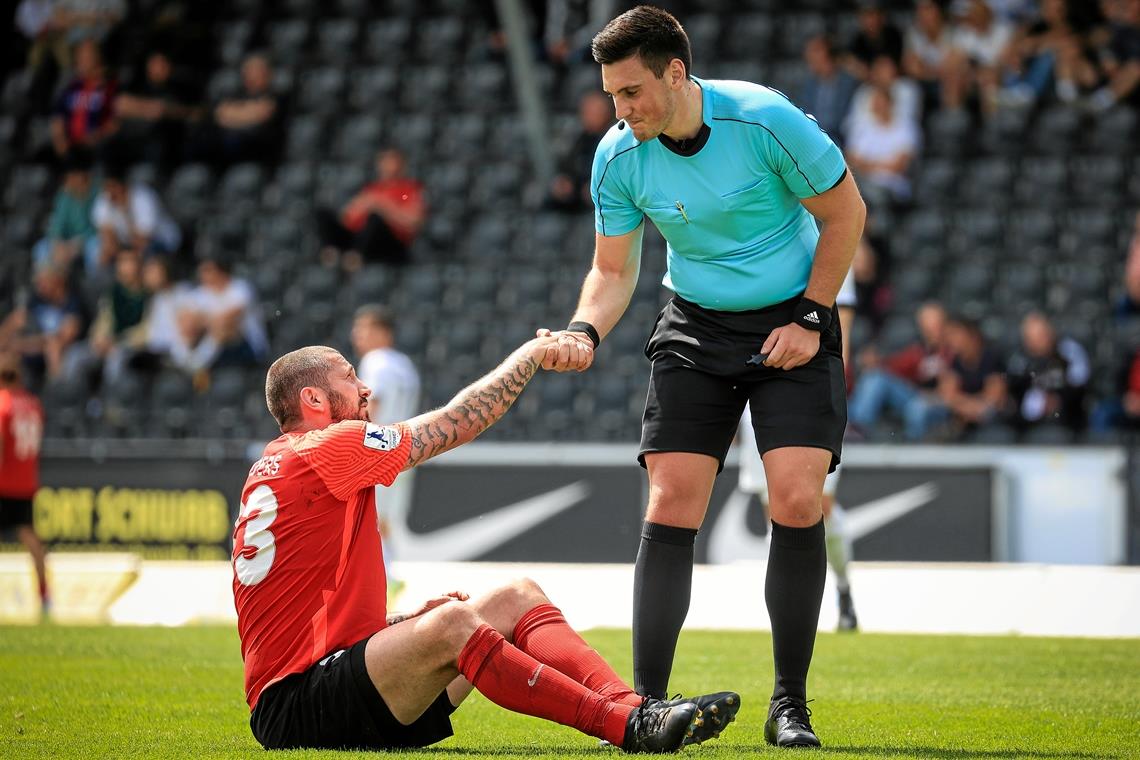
{"points": [[793, 590], [662, 582]]}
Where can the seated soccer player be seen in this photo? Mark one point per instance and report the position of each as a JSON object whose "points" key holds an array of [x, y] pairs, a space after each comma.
{"points": [[326, 665]]}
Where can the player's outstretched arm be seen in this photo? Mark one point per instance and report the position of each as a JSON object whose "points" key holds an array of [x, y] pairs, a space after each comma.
{"points": [[479, 405]]}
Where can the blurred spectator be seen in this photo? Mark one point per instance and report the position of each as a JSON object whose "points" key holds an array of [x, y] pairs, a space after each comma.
{"points": [[115, 330], [905, 381], [153, 112], [570, 188], [906, 95], [1128, 305], [71, 233], [221, 321], [880, 149], [49, 51], [827, 89], [89, 19], [161, 337], [980, 39], [873, 297], [1032, 56], [84, 112], [972, 391], [928, 43], [380, 222], [1120, 58], [131, 216], [876, 36], [1048, 376], [246, 126], [1123, 410], [48, 331]]}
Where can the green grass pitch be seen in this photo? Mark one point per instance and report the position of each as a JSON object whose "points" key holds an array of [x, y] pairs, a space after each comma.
{"points": [[177, 693]]}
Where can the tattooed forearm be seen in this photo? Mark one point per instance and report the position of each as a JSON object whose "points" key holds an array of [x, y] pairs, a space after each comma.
{"points": [[473, 410]]}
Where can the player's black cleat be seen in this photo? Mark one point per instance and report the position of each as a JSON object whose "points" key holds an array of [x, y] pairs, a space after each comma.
{"points": [[847, 619], [789, 724], [715, 712], [656, 727]]}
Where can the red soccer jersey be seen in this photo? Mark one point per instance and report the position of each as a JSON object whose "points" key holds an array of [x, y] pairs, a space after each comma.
{"points": [[21, 433], [308, 569]]}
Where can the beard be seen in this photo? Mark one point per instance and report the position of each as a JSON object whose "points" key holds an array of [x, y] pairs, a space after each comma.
{"points": [[344, 408]]}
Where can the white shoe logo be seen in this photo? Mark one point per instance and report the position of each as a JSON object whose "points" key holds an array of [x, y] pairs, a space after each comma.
{"points": [[811, 316]]}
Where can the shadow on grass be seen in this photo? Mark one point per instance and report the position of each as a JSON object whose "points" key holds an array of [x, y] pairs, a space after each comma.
{"points": [[969, 754]]}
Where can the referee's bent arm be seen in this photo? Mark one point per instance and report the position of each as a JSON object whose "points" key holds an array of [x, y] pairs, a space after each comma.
{"points": [[610, 282], [841, 213]]}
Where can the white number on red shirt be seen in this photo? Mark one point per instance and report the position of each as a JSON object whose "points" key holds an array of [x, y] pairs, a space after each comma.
{"points": [[258, 547]]}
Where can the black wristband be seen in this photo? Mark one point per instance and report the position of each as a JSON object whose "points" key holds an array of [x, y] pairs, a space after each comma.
{"points": [[585, 327], [811, 315]]}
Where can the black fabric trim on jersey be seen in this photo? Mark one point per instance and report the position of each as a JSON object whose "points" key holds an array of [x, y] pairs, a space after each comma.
{"points": [[777, 139], [601, 211], [689, 147], [842, 177]]}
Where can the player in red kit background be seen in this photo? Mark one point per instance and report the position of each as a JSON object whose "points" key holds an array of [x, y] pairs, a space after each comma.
{"points": [[21, 433], [326, 665]]}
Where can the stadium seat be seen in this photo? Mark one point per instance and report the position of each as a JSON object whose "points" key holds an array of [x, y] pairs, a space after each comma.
{"points": [[336, 39], [1046, 434], [948, 133], [1115, 132], [371, 88], [384, 40], [358, 136], [320, 89], [241, 186], [187, 194], [989, 180], [748, 36], [936, 180], [1043, 180], [1056, 130]]}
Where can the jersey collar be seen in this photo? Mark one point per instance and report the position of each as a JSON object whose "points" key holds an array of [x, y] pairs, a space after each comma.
{"points": [[693, 146]]}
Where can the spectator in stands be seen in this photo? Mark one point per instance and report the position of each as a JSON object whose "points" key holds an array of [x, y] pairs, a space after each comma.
{"points": [[1077, 71], [49, 51], [131, 215], [84, 112], [380, 222], [980, 39], [162, 337], [221, 320], [1032, 55], [904, 382], [876, 36], [906, 95], [880, 149], [1128, 305], [1048, 377], [247, 126], [153, 113], [115, 332], [89, 19], [927, 46], [570, 188], [71, 234], [1123, 410], [51, 328], [972, 390], [1120, 58], [827, 89]]}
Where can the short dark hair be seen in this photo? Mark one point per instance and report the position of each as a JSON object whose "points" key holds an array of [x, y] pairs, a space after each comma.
{"points": [[308, 366], [650, 33], [378, 315]]}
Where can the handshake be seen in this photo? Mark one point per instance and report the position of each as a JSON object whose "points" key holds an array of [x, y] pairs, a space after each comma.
{"points": [[560, 351]]}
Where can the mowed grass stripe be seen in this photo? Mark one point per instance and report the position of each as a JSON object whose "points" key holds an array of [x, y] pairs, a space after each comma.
{"points": [[175, 693]]}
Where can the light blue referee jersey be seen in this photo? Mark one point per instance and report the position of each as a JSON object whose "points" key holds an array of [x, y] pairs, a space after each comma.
{"points": [[729, 206]]}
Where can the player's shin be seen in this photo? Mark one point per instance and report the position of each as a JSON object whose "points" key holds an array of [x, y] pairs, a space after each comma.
{"points": [[543, 633], [513, 679]]}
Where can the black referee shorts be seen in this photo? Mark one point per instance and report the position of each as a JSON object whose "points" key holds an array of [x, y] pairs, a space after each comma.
{"points": [[15, 513], [334, 705], [701, 379]]}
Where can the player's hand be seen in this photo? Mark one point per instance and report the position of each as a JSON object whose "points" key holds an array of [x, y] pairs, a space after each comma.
{"points": [[572, 351], [439, 601], [790, 346]]}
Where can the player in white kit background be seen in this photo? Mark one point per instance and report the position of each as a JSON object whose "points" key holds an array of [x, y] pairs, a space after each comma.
{"points": [[752, 478], [395, 385]]}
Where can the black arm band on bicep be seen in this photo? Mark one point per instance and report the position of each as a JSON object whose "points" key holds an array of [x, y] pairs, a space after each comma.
{"points": [[811, 315], [585, 327]]}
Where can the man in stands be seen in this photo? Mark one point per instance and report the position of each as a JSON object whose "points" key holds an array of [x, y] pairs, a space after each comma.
{"points": [[1048, 376], [21, 431], [325, 664]]}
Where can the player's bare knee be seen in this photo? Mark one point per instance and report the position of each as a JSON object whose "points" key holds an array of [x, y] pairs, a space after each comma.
{"points": [[450, 624], [795, 507]]}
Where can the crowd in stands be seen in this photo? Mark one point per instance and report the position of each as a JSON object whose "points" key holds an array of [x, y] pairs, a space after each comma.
{"points": [[118, 282]]}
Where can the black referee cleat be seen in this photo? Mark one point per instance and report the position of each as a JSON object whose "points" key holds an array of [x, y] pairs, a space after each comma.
{"points": [[788, 724], [656, 727], [714, 713]]}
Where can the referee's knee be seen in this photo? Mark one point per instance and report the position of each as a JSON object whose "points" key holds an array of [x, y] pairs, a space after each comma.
{"points": [[795, 507]]}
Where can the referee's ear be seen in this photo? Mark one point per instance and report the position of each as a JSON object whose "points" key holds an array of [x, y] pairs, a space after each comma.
{"points": [[676, 72]]}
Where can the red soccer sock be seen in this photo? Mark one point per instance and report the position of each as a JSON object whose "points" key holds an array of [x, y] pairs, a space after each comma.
{"points": [[513, 679], [544, 634]]}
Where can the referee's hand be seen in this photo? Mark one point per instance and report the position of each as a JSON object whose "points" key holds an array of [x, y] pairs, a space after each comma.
{"points": [[575, 351], [790, 346]]}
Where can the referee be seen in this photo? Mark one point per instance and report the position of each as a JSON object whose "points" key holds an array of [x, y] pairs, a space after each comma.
{"points": [[761, 218]]}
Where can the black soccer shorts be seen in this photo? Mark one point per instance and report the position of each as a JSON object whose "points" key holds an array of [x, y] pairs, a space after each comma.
{"points": [[705, 368], [334, 705], [15, 513]]}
